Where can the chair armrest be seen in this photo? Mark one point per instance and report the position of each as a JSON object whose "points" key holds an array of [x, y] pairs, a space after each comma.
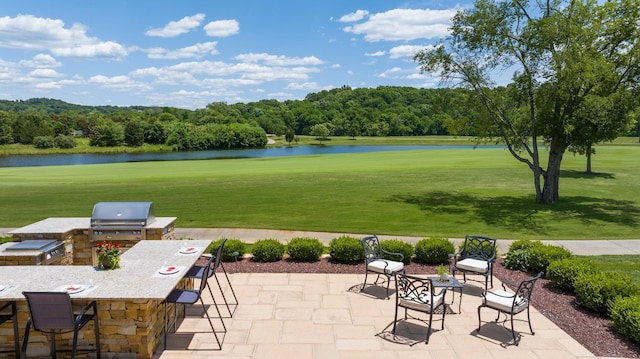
{"points": [[509, 283], [399, 255], [511, 295], [86, 308]]}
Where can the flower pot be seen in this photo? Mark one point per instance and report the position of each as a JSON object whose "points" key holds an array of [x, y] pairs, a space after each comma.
{"points": [[110, 263], [444, 277]]}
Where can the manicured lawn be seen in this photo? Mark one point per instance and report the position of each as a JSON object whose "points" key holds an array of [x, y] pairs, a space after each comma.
{"points": [[418, 193]]}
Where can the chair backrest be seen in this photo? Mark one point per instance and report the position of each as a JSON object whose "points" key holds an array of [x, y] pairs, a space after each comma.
{"points": [[371, 247], [50, 310], [218, 257], [524, 291], [413, 288], [478, 247]]}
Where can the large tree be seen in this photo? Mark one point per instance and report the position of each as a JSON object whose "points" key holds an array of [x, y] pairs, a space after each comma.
{"points": [[576, 65]]}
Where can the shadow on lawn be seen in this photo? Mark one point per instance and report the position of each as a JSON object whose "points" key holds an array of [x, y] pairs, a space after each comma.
{"points": [[520, 213]]}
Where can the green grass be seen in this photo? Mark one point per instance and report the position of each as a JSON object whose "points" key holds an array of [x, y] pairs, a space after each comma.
{"points": [[414, 193], [627, 264]]}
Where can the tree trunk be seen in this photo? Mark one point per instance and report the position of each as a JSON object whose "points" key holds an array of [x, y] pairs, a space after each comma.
{"points": [[551, 179], [589, 160]]}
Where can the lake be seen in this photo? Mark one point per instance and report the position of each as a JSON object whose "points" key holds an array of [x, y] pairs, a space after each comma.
{"points": [[95, 158]]}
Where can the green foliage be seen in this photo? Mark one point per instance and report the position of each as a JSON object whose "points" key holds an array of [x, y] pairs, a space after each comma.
{"points": [[517, 259], [304, 249], [542, 255], [65, 141], [598, 290], [625, 316], [523, 244], [230, 246], [563, 273], [397, 246], [106, 133], [345, 249], [43, 142], [267, 250], [434, 250]]}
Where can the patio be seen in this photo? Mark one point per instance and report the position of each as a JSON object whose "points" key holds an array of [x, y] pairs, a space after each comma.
{"points": [[326, 316]]}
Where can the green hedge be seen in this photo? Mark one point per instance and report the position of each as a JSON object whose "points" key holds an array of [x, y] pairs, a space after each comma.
{"points": [[563, 273], [305, 249], [267, 250], [625, 316], [345, 249], [598, 290], [434, 250], [397, 246]]}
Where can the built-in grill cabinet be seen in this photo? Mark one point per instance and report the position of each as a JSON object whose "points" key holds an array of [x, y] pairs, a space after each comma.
{"points": [[34, 252], [121, 221]]}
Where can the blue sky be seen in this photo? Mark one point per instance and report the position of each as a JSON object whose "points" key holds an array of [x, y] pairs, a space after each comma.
{"points": [[190, 53]]}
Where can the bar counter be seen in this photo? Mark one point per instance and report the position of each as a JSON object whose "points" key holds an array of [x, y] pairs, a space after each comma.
{"points": [[130, 309]]}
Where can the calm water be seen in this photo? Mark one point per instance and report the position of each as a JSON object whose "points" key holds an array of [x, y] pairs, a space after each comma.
{"points": [[84, 159]]}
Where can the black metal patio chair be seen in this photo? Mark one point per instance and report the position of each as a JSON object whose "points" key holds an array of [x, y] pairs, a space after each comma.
{"points": [[376, 262]]}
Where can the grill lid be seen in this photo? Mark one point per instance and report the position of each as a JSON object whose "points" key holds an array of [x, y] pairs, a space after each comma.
{"points": [[125, 214], [32, 244]]}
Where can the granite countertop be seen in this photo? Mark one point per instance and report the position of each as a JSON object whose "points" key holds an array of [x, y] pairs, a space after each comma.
{"points": [[138, 277], [66, 224]]}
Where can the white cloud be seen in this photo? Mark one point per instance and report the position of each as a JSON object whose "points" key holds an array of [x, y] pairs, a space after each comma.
{"points": [[41, 61], [222, 28], [104, 49], [279, 60], [404, 25], [119, 83], [406, 50], [302, 86], [376, 54], [193, 51], [47, 73], [354, 16], [175, 28], [391, 73], [28, 32]]}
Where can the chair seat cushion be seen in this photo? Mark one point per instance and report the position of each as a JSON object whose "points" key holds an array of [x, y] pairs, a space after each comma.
{"points": [[473, 265], [422, 303], [382, 265], [503, 300]]}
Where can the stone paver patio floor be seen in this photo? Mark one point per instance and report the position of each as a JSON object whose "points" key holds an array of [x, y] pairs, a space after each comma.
{"points": [[325, 316]]}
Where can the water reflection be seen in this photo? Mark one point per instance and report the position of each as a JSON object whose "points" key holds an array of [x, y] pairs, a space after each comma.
{"points": [[93, 158]]}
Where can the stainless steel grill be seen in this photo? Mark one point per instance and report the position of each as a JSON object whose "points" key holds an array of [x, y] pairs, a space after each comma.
{"points": [[121, 220], [47, 251]]}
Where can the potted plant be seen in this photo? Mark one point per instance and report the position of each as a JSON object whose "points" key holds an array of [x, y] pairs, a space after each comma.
{"points": [[108, 255], [443, 272]]}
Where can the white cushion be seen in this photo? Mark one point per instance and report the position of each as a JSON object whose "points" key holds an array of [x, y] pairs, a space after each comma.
{"points": [[382, 265], [502, 300], [422, 304], [474, 265]]}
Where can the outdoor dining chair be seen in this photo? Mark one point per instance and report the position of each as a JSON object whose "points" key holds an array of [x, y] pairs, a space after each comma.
{"points": [[214, 263], [52, 312], [476, 257], [510, 303], [189, 296], [376, 261], [418, 294], [8, 312]]}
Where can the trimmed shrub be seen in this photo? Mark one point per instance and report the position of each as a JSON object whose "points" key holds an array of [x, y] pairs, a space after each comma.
{"points": [[231, 245], [563, 273], [598, 290], [625, 316], [267, 250], [542, 255], [523, 244], [434, 250], [43, 142], [305, 249], [397, 246], [345, 249], [517, 259]]}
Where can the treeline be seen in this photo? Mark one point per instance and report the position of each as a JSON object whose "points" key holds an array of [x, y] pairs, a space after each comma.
{"points": [[381, 111]]}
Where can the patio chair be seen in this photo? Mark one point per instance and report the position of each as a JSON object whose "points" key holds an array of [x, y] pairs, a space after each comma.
{"points": [[52, 312], [418, 294], [8, 312], [189, 296], [476, 257], [510, 303], [374, 258], [214, 263]]}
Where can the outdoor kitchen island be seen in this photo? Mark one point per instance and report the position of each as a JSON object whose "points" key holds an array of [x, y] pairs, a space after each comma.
{"points": [[130, 298]]}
